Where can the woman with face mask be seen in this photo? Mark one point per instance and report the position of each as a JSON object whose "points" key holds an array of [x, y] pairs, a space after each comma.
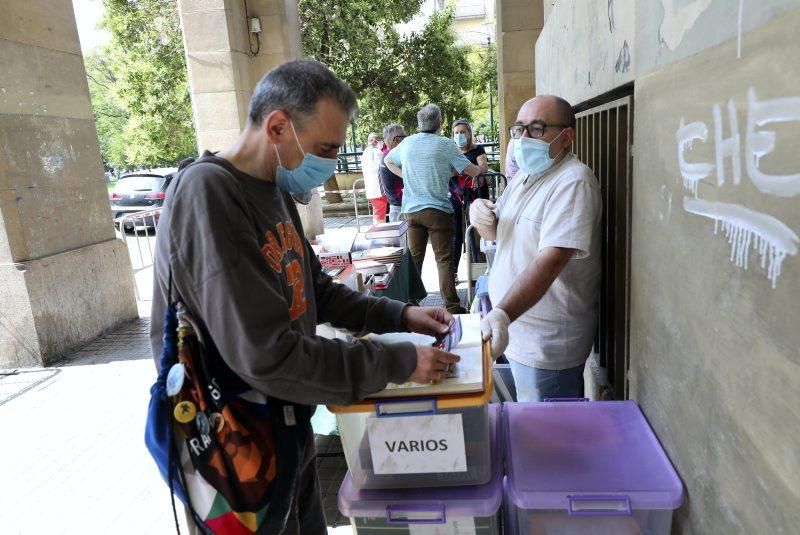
{"points": [[463, 188]]}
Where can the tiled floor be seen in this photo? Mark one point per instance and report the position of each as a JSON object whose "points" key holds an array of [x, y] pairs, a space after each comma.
{"points": [[72, 455]]}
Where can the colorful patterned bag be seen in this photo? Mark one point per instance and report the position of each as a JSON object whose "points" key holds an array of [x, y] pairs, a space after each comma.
{"points": [[230, 453]]}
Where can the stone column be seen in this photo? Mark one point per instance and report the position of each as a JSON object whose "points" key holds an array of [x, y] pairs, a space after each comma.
{"points": [[225, 62], [519, 23], [222, 69], [64, 277]]}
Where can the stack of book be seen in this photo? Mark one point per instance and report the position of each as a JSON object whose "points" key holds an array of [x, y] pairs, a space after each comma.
{"points": [[384, 255], [370, 267], [387, 230], [382, 281]]}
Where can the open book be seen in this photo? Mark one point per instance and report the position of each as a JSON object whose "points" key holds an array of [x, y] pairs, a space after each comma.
{"points": [[467, 375]]}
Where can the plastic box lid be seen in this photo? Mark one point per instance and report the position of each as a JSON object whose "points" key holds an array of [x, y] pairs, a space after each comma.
{"points": [[568, 453], [473, 500]]}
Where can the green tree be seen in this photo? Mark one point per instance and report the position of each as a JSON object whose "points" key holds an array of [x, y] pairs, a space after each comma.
{"points": [[483, 66], [393, 75], [109, 116], [139, 86]]}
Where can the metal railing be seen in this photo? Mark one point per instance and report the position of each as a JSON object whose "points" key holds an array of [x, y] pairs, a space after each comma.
{"points": [[604, 142], [492, 149], [143, 227], [349, 162], [356, 191]]}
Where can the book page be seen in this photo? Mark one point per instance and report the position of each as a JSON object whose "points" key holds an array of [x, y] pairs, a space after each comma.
{"points": [[468, 372]]}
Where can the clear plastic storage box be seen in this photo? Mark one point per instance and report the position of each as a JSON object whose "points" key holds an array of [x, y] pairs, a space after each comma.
{"points": [[471, 509], [409, 423], [586, 468]]}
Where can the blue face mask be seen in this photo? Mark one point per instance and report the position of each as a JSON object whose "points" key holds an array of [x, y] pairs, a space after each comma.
{"points": [[460, 139], [533, 155], [312, 172]]}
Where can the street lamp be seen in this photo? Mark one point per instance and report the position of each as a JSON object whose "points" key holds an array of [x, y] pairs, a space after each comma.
{"points": [[491, 102], [489, 31]]}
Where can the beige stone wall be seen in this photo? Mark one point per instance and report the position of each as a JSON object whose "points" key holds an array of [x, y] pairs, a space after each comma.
{"points": [[519, 23], [53, 199]]}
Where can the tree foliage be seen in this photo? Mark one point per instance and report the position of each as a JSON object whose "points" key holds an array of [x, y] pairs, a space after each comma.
{"points": [[139, 86], [483, 65], [392, 74]]}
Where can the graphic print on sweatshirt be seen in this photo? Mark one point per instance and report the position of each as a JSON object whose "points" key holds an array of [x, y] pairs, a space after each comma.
{"points": [[276, 251]]}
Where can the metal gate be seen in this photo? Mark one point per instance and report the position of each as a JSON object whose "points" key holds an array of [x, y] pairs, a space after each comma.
{"points": [[603, 141]]}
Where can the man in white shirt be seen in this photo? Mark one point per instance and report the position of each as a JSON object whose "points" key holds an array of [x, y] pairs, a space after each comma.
{"points": [[545, 279], [370, 162]]}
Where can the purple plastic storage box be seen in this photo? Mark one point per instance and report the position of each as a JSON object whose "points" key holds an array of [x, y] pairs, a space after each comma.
{"points": [[469, 509], [586, 469]]}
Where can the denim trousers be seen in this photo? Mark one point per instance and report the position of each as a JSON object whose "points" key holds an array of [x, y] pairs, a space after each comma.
{"points": [[536, 384]]}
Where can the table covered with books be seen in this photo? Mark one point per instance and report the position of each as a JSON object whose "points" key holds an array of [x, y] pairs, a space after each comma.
{"points": [[376, 262]]}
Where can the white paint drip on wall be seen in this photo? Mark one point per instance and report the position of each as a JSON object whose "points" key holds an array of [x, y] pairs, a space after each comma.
{"points": [[730, 147], [760, 143], [771, 238], [685, 136], [678, 20], [739, 30]]}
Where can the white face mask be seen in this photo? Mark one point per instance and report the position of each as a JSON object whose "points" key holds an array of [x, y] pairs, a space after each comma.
{"points": [[533, 155]]}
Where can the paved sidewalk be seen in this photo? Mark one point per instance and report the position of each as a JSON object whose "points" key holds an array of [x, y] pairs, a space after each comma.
{"points": [[73, 458]]}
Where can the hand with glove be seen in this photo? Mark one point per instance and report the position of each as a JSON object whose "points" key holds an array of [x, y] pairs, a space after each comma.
{"points": [[494, 326], [481, 214]]}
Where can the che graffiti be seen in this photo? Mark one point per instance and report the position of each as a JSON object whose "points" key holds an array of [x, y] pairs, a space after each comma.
{"points": [[769, 237]]}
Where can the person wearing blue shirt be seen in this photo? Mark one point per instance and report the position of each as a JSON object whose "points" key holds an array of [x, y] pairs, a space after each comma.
{"points": [[426, 162]]}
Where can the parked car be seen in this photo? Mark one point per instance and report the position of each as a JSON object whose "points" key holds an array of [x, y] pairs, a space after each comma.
{"points": [[140, 191]]}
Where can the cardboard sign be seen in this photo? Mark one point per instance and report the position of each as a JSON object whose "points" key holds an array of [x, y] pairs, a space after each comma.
{"points": [[417, 444], [453, 526]]}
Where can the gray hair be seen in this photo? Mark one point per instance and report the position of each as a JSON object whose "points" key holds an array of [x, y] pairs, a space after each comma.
{"points": [[429, 118], [295, 87], [391, 131]]}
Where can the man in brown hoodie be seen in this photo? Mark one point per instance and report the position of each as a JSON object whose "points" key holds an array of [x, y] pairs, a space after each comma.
{"points": [[231, 234]]}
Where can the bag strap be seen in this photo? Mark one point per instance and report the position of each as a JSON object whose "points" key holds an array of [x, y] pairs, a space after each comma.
{"points": [[173, 455]]}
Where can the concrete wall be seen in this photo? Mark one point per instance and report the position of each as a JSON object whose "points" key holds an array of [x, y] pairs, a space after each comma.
{"points": [[714, 333], [53, 199], [582, 50]]}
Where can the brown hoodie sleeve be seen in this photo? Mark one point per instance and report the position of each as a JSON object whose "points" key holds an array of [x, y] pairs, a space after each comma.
{"points": [[219, 271]]}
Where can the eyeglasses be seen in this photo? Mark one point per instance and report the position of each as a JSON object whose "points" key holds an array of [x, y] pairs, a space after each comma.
{"points": [[399, 138], [535, 129]]}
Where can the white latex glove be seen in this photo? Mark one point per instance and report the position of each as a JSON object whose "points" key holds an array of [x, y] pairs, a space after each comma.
{"points": [[481, 213], [494, 326]]}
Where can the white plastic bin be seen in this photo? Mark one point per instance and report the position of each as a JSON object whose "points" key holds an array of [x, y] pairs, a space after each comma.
{"points": [[465, 510], [586, 469], [414, 442]]}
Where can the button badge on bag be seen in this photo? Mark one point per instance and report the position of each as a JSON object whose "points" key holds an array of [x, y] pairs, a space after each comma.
{"points": [[202, 423], [175, 378], [217, 421], [185, 412], [288, 416]]}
